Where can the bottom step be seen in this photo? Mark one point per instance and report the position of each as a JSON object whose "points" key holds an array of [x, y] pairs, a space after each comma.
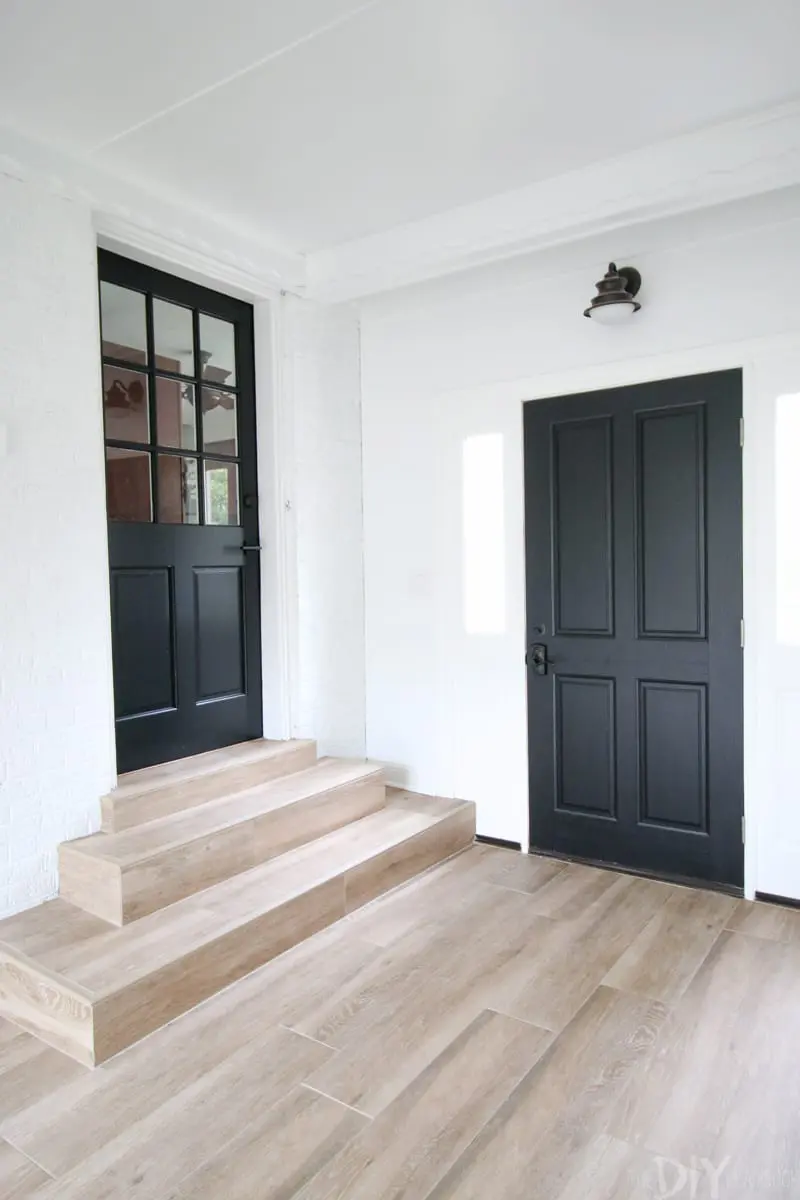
{"points": [[92, 995]]}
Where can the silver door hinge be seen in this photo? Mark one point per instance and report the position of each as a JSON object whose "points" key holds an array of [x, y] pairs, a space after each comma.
{"points": [[741, 632], [741, 431], [743, 830]]}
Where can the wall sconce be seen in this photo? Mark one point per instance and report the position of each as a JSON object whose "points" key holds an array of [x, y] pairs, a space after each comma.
{"points": [[614, 301]]}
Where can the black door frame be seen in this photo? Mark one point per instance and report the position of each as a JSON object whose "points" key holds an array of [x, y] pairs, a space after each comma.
{"points": [[130, 273], [613, 377]]}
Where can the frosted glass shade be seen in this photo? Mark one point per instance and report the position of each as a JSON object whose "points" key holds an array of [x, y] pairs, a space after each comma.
{"points": [[613, 314]]}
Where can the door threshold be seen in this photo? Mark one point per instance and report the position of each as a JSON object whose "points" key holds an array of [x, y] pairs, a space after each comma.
{"points": [[708, 885]]}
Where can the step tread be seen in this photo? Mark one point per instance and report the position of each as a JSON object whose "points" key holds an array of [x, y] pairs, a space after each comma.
{"points": [[140, 842], [50, 927], [116, 958], [150, 779]]}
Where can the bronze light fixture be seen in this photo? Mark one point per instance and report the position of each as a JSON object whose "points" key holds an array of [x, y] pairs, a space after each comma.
{"points": [[615, 301]]}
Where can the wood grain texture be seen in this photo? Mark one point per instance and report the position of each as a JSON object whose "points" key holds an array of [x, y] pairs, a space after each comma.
{"points": [[575, 952], [19, 1177], [663, 958], [43, 1002], [561, 1102], [156, 792], [723, 1083], [762, 920], [394, 1011], [90, 1109], [30, 1071], [91, 883], [124, 876], [193, 1125], [419, 1136], [104, 993], [281, 1148]]}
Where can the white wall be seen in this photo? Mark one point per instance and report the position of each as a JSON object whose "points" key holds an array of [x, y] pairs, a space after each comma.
{"points": [[321, 382], [56, 730], [457, 357], [56, 692]]}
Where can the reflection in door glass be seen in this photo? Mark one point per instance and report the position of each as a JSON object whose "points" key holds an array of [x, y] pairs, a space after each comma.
{"points": [[219, 421], [218, 350], [124, 324], [484, 546], [125, 405], [178, 502], [175, 413], [222, 493], [173, 333], [128, 491], [787, 506]]}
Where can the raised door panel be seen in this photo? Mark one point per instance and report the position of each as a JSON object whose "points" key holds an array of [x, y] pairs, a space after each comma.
{"points": [[583, 583], [673, 754], [219, 626], [671, 522], [143, 638], [585, 745]]}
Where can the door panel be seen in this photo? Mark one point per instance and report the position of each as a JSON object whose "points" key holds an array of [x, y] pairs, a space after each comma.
{"points": [[670, 479], [143, 634], [634, 602], [585, 721], [218, 628], [582, 519], [179, 404]]}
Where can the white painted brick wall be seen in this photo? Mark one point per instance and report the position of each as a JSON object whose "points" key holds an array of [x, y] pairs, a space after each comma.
{"points": [[56, 691], [56, 732]]}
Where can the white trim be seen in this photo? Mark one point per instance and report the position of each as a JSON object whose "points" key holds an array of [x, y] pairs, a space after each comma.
{"points": [[275, 457], [743, 355], [744, 157], [274, 431], [157, 229]]}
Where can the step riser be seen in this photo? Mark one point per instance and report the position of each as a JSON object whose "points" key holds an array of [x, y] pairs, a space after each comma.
{"points": [[125, 894], [120, 813], [90, 883], [116, 1021], [127, 1017], [40, 1003]]}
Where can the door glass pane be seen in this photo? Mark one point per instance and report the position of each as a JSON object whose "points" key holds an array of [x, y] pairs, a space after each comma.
{"points": [[128, 490], [175, 413], [125, 405], [222, 493], [177, 490], [217, 350], [174, 337], [124, 323], [219, 421]]}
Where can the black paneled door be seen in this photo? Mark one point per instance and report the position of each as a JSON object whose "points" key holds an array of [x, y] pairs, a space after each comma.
{"points": [[179, 408], [633, 500]]}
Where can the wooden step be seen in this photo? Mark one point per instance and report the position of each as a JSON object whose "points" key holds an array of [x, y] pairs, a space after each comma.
{"points": [[156, 792], [91, 996], [121, 877]]}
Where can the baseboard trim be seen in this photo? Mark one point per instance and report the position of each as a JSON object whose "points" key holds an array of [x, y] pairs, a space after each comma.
{"points": [[707, 885], [503, 843], [784, 901]]}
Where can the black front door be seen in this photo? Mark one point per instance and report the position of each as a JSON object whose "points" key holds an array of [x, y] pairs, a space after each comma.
{"points": [[179, 407], [633, 504]]}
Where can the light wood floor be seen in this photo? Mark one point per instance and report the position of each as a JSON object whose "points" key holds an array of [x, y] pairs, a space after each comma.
{"points": [[504, 1028]]}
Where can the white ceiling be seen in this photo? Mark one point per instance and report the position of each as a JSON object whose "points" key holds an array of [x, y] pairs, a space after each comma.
{"points": [[316, 122]]}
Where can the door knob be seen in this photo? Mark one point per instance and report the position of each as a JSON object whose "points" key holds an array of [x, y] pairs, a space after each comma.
{"points": [[537, 658]]}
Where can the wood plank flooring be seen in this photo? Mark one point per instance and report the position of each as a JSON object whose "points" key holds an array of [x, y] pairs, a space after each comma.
{"points": [[501, 1028]]}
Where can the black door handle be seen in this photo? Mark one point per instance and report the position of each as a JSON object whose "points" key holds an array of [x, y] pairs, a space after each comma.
{"points": [[537, 658], [249, 547]]}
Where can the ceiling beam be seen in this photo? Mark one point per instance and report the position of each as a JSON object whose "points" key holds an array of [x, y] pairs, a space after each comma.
{"points": [[740, 158]]}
